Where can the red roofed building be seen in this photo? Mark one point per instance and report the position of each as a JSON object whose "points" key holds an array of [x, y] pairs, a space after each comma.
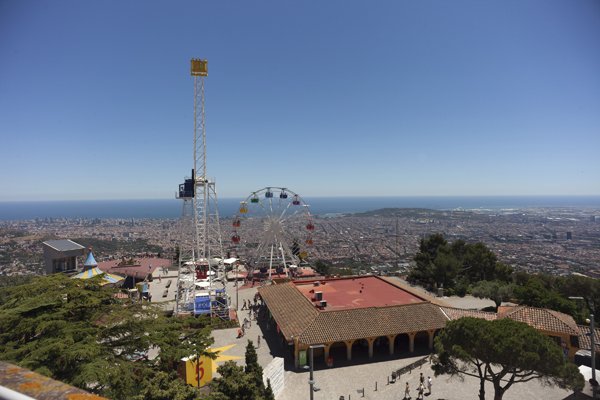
{"points": [[560, 327], [371, 315], [137, 268], [348, 315]]}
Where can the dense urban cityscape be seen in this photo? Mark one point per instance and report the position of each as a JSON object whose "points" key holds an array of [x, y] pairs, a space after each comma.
{"points": [[558, 241]]}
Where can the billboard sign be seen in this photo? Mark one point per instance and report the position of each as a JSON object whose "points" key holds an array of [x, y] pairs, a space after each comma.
{"points": [[202, 305], [196, 373]]}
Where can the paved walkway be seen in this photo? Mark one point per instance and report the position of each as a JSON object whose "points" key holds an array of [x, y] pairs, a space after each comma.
{"points": [[349, 382], [236, 348]]}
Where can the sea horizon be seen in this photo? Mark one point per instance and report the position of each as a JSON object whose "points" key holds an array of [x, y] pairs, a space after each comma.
{"points": [[228, 206]]}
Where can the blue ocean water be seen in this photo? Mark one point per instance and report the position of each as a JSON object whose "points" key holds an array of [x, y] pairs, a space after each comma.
{"points": [[171, 208]]}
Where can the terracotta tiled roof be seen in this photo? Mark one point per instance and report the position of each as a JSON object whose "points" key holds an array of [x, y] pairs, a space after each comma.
{"points": [[298, 317], [542, 319], [333, 326], [584, 338], [292, 311], [456, 313], [142, 267]]}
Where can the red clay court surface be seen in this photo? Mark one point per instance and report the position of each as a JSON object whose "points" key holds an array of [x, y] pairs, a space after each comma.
{"points": [[357, 292]]}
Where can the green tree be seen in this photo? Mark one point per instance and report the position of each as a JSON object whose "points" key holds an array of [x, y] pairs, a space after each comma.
{"points": [[503, 272], [253, 368], [424, 272], [163, 385], [322, 267], [269, 395], [251, 358], [445, 268], [540, 291], [455, 265], [502, 352], [495, 290], [479, 263], [77, 332], [234, 383]]}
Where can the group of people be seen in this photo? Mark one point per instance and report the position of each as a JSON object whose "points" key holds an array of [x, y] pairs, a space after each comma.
{"points": [[248, 305], [253, 308], [420, 388]]}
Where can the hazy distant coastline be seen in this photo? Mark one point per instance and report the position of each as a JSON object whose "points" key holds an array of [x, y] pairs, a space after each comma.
{"points": [[171, 208]]}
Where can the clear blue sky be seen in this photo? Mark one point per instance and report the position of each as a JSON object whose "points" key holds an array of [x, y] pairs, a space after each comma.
{"points": [[328, 98]]}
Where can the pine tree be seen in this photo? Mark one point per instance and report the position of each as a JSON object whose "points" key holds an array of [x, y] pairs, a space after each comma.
{"points": [[252, 366], [234, 383], [251, 358], [502, 352], [77, 332], [269, 395]]}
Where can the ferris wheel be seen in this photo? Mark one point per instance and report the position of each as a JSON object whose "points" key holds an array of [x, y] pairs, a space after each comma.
{"points": [[273, 230]]}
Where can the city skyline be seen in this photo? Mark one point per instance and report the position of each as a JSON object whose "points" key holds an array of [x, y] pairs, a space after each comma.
{"points": [[336, 99]]}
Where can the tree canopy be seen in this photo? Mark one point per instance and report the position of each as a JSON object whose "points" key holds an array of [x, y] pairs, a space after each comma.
{"points": [[497, 291], [463, 267], [503, 352], [78, 332], [439, 263], [241, 383]]}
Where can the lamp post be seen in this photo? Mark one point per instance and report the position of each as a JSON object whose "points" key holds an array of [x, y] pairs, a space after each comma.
{"points": [[237, 284], [593, 381], [311, 381]]}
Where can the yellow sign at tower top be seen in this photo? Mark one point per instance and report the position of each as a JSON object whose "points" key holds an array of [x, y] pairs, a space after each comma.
{"points": [[199, 67]]}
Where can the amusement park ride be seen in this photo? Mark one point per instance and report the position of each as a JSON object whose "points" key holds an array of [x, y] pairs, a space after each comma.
{"points": [[283, 230], [282, 217], [200, 248]]}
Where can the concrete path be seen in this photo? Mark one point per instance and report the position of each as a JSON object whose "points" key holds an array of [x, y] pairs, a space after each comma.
{"points": [[236, 348], [349, 382]]}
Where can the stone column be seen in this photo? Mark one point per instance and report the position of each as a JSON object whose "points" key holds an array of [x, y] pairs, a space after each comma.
{"points": [[411, 342], [391, 339], [371, 341], [296, 353], [431, 334], [326, 351], [349, 349]]}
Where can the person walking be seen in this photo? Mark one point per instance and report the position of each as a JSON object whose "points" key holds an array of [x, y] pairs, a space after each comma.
{"points": [[421, 379], [258, 342], [407, 391], [429, 383], [244, 306]]}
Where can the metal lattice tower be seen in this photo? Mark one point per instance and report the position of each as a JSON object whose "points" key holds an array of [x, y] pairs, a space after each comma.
{"points": [[200, 241]]}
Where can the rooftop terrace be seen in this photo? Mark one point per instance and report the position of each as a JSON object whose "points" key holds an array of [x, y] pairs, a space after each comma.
{"points": [[356, 292]]}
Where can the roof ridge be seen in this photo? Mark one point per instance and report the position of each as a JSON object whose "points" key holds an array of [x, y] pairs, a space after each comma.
{"points": [[467, 309], [513, 310], [378, 307]]}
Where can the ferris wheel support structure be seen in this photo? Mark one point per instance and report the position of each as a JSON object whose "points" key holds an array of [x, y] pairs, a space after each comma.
{"points": [[200, 241], [282, 232]]}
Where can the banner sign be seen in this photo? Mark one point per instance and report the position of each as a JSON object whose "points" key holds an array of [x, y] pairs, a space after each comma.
{"points": [[302, 357], [196, 373], [202, 305]]}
